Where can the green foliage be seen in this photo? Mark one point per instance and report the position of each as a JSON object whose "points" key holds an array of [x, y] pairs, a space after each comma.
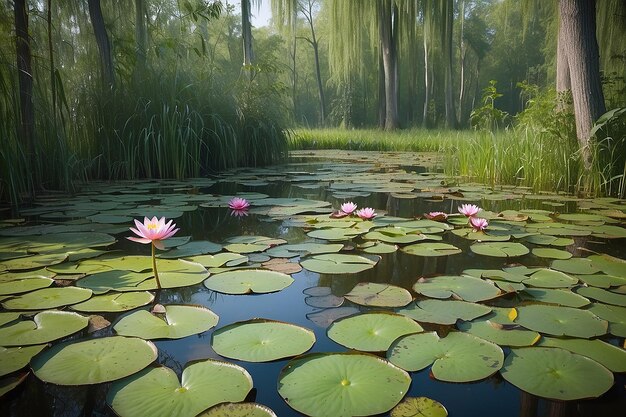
{"points": [[609, 152], [488, 117]]}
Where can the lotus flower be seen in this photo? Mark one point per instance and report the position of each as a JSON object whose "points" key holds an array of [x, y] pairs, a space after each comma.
{"points": [[348, 207], [478, 224], [469, 210], [238, 203], [153, 231], [366, 213], [436, 215]]}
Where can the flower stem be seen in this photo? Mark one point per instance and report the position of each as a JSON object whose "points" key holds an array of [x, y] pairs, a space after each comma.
{"points": [[154, 268]]}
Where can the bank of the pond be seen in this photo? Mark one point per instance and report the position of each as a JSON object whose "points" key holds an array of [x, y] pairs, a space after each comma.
{"points": [[529, 158]]}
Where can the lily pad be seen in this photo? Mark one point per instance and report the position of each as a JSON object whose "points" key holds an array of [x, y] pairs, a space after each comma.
{"points": [[372, 331], [15, 358], [156, 392], [324, 301], [499, 334], [616, 316], [556, 373], [47, 298], [611, 356], [561, 321], [609, 264], [35, 261], [563, 297], [195, 248], [460, 287], [261, 340], [10, 382], [499, 249], [114, 302], [604, 296], [458, 357], [238, 410], [379, 295], [579, 266], [443, 311], [551, 253], [342, 384], [45, 327], [325, 317], [337, 263], [431, 249], [177, 322], [419, 407], [247, 281], [549, 278], [290, 251], [24, 285], [219, 259], [93, 361]]}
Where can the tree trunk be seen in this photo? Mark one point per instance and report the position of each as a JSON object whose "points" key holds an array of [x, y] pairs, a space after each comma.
{"points": [[25, 79], [448, 17], [294, 76], [427, 12], [308, 15], [104, 45], [381, 91], [388, 31], [246, 33], [462, 55], [140, 35], [578, 20]]}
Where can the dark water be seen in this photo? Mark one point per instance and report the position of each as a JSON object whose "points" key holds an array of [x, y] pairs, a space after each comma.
{"points": [[490, 397]]}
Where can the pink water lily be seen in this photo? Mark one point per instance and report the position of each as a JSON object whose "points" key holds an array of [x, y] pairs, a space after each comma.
{"points": [[436, 215], [238, 203], [478, 224], [348, 207], [469, 210], [366, 213], [153, 231]]}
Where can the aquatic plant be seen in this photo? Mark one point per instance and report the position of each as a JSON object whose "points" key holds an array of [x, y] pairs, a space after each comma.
{"points": [[469, 210], [478, 224], [238, 206], [348, 207], [436, 215], [366, 213]]}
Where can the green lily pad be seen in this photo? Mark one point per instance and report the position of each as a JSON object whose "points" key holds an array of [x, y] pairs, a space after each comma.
{"points": [[579, 266], [327, 316], [372, 331], [604, 296], [616, 316], [116, 280], [219, 259], [563, 297], [611, 356], [261, 340], [609, 264], [551, 253], [499, 249], [133, 263], [379, 295], [114, 302], [443, 311], [378, 247], [419, 407], [93, 361], [495, 274], [345, 384], [498, 334], [458, 357], [35, 261], [392, 234], [549, 240], [556, 373], [45, 327], [335, 263], [431, 249], [238, 410], [178, 321], [602, 280], [47, 298], [156, 392], [293, 250], [248, 281], [471, 234], [24, 285], [549, 278], [560, 321], [15, 358], [9, 316], [195, 248], [324, 301], [461, 287], [10, 382]]}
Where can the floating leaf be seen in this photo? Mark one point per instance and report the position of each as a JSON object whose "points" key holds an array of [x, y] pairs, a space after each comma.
{"points": [[45, 327], [465, 288], [93, 361], [325, 317], [419, 407], [551, 253], [47, 298], [35, 261], [609, 264], [611, 356], [24, 285], [10, 382], [560, 321], [115, 302], [261, 340], [561, 297], [15, 358], [579, 266], [443, 311], [604, 296], [499, 249], [458, 357], [324, 301], [217, 260], [238, 410], [156, 392], [290, 251], [195, 248], [179, 321], [342, 384], [372, 331], [431, 249], [248, 281], [337, 263], [496, 333], [556, 373], [549, 278], [616, 316], [317, 291], [379, 295]]}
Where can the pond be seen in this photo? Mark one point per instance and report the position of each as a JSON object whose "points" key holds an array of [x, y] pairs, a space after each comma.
{"points": [[507, 321]]}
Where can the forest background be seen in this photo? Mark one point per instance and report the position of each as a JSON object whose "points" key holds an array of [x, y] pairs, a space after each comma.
{"points": [[182, 88]]}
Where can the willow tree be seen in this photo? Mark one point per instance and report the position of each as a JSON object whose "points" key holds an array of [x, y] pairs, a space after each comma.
{"points": [[104, 45]]}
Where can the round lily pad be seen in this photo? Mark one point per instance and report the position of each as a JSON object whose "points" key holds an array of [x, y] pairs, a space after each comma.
{"points": [[156, 392], [335, 263], [466, 288], [563, 297], [419, 407], [615, 315], [549, 278], [379, 295], [604, 296], [35, 261], [195, 248], [556, 373], [14, 358], [115, 302], [458, 357], [325, 317], [261, 340], [47, 298], [431, 249], [499, 249], [499, 334], [177, 322], [24, 285], [611, 356], [93, 361], [334, 233], [324, 301], [372, 331], [561, 321], [45, 327], [443, 311], [579, 266], [342, 384], [551, 253], [248, 281], [238, 410]]}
